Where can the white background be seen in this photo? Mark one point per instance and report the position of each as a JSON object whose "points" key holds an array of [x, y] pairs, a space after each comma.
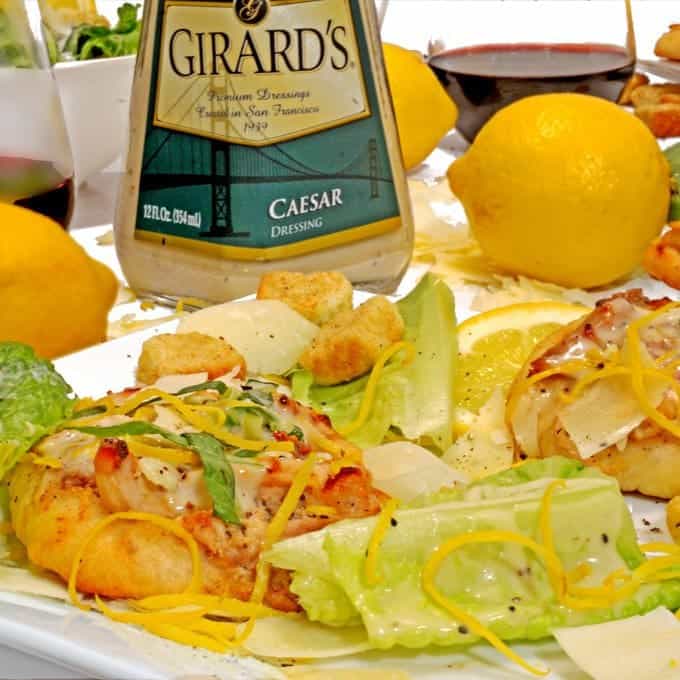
{"points": [[412, 23]]}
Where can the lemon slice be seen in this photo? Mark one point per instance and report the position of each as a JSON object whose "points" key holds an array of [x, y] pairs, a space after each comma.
{"points": [[493, 346]]}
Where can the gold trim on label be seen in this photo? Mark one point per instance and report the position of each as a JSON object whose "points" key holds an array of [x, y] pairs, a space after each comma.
{"points": [[276, 252], [237, 139]]}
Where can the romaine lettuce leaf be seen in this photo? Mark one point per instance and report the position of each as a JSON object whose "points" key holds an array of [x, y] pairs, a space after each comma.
{"points": [[416, 398], [504, 585], [92, 41], [673, 156], [34, 400]]}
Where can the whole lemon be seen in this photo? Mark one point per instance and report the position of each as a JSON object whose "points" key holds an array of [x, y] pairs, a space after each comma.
{"points": [[566, 188], [53, 296], [422, 108]]}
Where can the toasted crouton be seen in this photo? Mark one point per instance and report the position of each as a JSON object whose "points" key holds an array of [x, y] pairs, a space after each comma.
{"points": [[318, 296], [662, 119], [649, 95], [668, 45], [635, 81], [349, 345], [171, 354]]}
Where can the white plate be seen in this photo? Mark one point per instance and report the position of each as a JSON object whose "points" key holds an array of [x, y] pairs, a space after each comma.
{"points": [[664, 68], [90, 644]]}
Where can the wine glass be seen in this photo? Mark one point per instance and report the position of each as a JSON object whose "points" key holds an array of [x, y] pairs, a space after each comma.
{"points": [[36, 167], [490, 54]]}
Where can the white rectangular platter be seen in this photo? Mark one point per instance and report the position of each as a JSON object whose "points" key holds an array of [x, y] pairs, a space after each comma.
{"points": [[91, 646]]}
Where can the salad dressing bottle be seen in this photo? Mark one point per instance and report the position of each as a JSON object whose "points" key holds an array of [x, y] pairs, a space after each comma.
{"points": [[262, 137]]}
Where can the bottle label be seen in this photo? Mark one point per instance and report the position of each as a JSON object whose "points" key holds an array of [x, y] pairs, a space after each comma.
{"points": [[264, 138]]}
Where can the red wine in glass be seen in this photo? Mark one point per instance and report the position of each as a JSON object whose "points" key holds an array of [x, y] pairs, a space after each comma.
{"points": [[485, 78], [36, 185]]}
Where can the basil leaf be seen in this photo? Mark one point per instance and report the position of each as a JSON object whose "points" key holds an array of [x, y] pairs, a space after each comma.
{"points": [[244, 453], [217, 385], [217, 473], [297, 432], [84, 413], [134, 427]]}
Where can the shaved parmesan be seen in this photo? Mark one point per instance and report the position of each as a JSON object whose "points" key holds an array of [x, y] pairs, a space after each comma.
{"points": [[295, 637], [639, 648], [175, 383], [405, 470], [160, 473], [268, 333], [605, 413]]}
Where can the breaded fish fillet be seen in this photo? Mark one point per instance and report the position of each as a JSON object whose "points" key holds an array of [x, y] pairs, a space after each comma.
{"points": [[574, 396], [54, 508]]}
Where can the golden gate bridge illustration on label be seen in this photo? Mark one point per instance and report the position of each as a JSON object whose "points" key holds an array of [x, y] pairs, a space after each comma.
{"points": [[193, 160]]}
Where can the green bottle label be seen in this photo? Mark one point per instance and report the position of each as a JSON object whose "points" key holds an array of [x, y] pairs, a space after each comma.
{"points": [[264, 138]]}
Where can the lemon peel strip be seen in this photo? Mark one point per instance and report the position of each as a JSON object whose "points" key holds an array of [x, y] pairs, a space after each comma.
{"points": [[473, 624], [381, 526], [273, 532], [368, 399]]}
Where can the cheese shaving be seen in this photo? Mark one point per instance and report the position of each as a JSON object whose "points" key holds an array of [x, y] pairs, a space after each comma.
{"points": [[169, 525], [372, 385], [381, 527]]}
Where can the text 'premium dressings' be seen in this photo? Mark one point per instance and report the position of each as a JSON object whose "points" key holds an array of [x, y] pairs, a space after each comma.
{"points": [[262, 137]]}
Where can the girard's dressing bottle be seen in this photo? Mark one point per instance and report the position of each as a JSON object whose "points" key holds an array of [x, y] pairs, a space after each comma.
{"points": [[262, 137]]}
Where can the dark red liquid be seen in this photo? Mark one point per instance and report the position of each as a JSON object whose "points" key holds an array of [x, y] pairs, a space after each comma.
{"points": [[36, 185], [485, 78]]}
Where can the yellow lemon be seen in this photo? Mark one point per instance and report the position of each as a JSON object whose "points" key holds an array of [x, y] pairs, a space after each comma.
{"points": [[423, 109], [54, 297], [494, 345], [566, 188]]}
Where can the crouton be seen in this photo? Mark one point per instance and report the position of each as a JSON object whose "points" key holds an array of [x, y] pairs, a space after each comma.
{"points": [[318, 296], [349, 345], [171, 354], [650, 95], [668, 45], [662, 119], [635, 81]]}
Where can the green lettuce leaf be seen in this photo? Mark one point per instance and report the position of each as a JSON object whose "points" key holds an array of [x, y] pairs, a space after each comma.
{"points": [[502, 584], [91, 41], [673, 156], [416, 398], [34, 401]]}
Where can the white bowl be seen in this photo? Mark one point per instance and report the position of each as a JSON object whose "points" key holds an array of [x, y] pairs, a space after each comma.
{"points": [[95, 97]]}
